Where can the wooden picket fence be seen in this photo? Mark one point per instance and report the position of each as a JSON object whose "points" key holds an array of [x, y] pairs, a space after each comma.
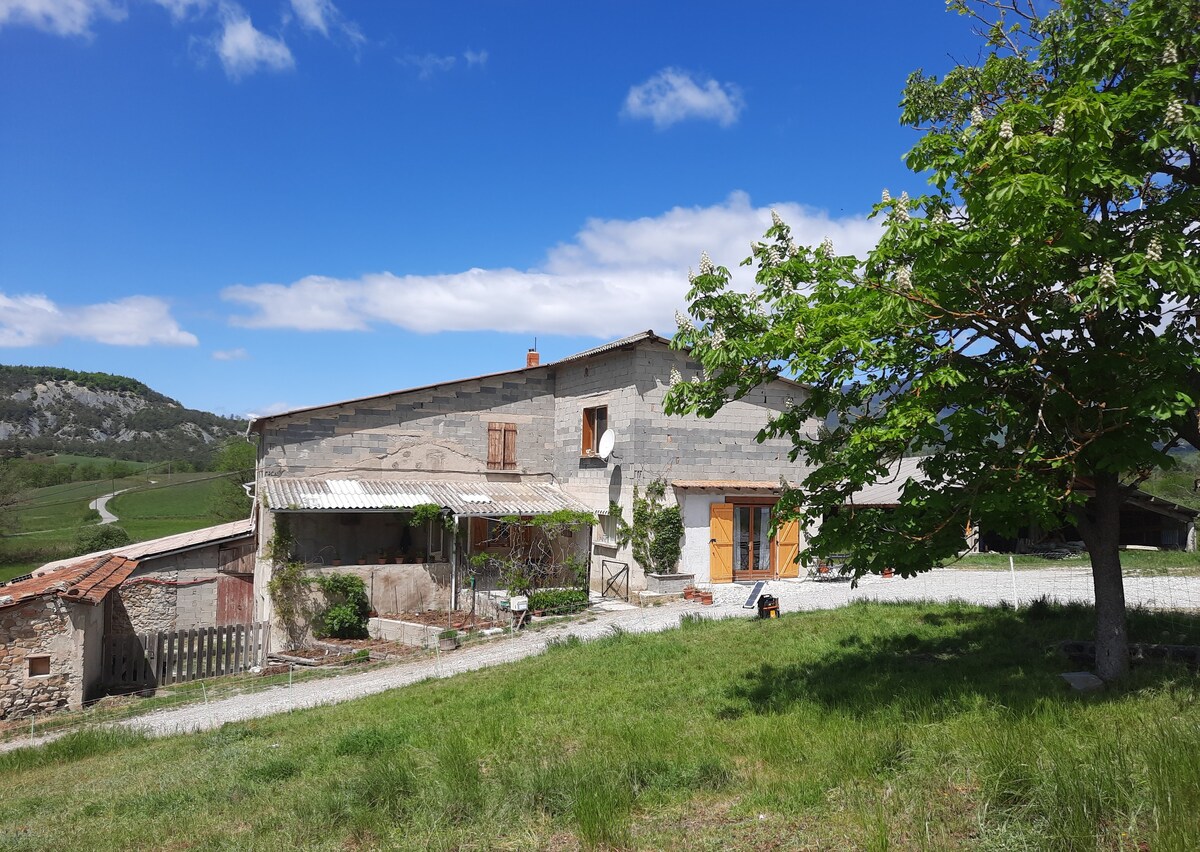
{"points": [[166, 657]]}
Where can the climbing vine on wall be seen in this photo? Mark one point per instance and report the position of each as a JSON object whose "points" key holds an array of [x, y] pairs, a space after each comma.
{"points": [[656, 532]]}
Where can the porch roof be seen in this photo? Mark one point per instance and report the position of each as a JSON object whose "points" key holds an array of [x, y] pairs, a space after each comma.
{"points": [[464, 498]]}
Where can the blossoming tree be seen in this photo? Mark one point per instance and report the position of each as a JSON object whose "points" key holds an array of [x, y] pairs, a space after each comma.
{"points": [[1028, 324]]}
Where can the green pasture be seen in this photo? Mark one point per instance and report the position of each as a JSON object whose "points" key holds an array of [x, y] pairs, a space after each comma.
{"points": [[871, 727]]}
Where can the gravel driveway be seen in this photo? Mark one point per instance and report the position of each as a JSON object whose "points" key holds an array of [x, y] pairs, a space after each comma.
{"points": [[975, 586]]}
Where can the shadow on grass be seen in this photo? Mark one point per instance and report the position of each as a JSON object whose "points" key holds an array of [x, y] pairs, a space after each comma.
{"points": [[951, 659]]}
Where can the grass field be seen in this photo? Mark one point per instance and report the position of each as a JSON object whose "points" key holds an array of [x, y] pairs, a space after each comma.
{"points": [[157, 505], [871, 727]]}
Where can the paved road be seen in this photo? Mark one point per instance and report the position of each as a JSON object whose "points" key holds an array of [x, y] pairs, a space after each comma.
{"points": [[100, 504], [983, 587]]}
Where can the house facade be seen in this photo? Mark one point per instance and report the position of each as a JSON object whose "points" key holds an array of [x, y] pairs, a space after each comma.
{"points": [[345, 477]]}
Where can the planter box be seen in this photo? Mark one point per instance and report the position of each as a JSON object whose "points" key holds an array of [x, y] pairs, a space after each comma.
{"points": [[668, 583]]}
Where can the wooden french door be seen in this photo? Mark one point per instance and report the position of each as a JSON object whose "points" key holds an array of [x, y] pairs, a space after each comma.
{"points": [[740, 546], [752, 551]]}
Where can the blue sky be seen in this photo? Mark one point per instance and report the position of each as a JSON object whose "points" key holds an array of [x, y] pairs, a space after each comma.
{"points": [[254, 206]]}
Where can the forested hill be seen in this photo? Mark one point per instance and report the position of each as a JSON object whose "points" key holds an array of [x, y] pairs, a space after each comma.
{"points": [[52, 409]]}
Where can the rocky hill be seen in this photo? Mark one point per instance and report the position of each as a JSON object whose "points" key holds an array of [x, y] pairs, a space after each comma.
{"points": [[51, 409]]}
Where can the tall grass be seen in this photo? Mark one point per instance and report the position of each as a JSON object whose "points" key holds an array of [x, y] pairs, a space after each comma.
{"points": [[871, 727]]}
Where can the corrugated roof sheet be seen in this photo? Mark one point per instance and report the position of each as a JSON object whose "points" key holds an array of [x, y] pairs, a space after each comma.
{"points": [[887, 491], [462, 497], [162, 546], [87, 580]]}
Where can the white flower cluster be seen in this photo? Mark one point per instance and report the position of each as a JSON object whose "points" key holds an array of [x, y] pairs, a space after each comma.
{"points": [[976, 116], [1006, 131], [1170, 55], [691, 276], [939, 218], [717, 337], [682, 322], [827, 248], [775, 220], [887, 196], [1174, 114], [1016, 240], [904, 278], [793, 250], [676, 378], [800, 330], [1060, 124], [1154, 250], [902, 210], [706, 264], [1108, 278]]}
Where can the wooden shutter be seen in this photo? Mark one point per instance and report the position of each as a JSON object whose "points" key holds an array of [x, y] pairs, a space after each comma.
{"points": [[502, 446], [720, 544], [495, 458], [510, 446], [589, 435], [787, 548], [478, 532]]}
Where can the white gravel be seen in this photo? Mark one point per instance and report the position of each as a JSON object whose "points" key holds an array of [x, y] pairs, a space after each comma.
{"points": [[974, 586]]}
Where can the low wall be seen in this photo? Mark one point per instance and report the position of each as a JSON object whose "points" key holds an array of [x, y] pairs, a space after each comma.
{"points": [[402, 588]]}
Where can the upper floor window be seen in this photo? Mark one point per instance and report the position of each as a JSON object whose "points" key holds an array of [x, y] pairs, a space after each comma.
{"points": [[502, 446], [595, 424]]}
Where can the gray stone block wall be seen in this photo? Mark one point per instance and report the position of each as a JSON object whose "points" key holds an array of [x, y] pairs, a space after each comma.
{"points": [[438, 432]]}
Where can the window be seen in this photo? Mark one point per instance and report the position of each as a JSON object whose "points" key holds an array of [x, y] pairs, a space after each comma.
{"points": [[502, 446], [595, 424], [607, 533], [39, 666]]}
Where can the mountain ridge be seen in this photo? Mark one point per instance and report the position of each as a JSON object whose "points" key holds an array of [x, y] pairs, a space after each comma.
{"points": [[54, 409]]}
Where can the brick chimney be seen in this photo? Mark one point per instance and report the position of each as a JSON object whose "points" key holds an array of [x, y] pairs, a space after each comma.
{"points": [[531, 358]]}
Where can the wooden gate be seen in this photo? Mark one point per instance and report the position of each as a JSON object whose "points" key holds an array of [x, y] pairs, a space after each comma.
{"points": [[158, 659], [614, 579]]}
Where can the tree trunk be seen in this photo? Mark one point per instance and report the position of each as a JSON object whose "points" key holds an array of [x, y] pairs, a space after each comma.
{"points": [[1099, 524]]}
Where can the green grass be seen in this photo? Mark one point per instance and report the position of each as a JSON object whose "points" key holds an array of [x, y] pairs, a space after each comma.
{"points": [[1132, 562], [870, 727], [48, 518]]}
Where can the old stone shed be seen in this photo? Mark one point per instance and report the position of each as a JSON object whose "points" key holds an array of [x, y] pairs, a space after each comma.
{"points": [[51, 635]]}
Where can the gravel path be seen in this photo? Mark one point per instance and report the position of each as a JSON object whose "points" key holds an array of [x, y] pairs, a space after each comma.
{"points": [[982, 587]]}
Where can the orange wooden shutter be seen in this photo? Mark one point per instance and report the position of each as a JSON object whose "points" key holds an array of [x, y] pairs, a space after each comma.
{"points": [[589, 443], [720, 545], [787, 544], [510, 446], [495, 458], [478, 531]]}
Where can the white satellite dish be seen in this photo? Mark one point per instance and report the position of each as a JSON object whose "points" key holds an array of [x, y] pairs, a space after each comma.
{"points": [[607, 441]]}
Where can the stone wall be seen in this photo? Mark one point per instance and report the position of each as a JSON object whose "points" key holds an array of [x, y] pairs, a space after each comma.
{"points": [[175, 592], [69, 634]]}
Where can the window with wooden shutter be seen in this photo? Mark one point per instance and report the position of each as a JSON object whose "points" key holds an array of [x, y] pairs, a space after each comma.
{"points": [[595, 423], [502, 446]]}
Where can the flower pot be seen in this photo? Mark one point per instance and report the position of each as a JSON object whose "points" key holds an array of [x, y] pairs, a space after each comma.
{"points": [[539, 612], [689, 593], [888, 572], [337, 563], [706, 598], [448, 644]]}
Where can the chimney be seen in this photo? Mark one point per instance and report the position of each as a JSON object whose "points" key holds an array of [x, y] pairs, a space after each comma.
{"points": [[531, 358]]}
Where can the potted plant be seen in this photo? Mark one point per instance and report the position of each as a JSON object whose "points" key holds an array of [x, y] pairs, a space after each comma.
{"points": [[448, 639]]}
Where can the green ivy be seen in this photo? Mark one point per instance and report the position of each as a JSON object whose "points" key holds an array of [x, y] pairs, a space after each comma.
{"points": [[347, 608], [656, 533]]}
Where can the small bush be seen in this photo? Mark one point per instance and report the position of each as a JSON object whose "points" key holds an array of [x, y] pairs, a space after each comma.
{"points": [[105, 537], [347, 608], [559, 600]]}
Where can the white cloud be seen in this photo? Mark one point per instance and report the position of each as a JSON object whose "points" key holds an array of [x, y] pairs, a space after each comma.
{"points": [[615, 277], [429, 64], [34, 320], [673, 95], [238, 354], [323, 17], [268, 410], [244, 49], [181, 9], [60, 17], [475, 57]]}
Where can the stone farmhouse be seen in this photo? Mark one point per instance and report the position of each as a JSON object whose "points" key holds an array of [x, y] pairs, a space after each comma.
{"points": [[523, 442]]}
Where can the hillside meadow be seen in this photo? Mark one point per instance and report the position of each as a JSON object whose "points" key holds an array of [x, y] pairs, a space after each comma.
{"points": [[871, 727]]}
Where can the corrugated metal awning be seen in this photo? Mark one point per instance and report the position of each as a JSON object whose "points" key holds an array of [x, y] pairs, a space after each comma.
{"points": [[492, 499]]}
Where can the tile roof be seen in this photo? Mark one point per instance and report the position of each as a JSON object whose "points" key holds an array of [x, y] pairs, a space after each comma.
{"points": [[87, 580], [464, 498], [727, 485], [162, 546]]}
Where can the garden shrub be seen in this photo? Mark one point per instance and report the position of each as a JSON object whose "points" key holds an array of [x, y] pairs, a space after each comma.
{"points": [[346, 607], [558, 600]]}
